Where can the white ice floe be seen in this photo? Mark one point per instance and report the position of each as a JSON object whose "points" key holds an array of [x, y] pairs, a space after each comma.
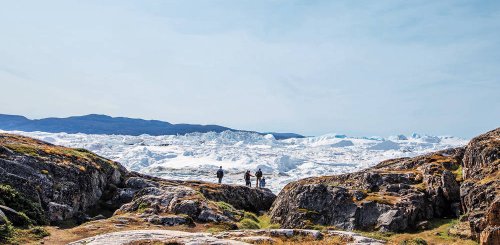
{"points": [[197, 156]]}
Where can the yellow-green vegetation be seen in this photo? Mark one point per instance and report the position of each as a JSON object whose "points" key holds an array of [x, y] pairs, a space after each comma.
{"points": [[17, 236], [307, 211], [308, 224], [489, 178], [248, 224], [6, 232], [413, 241], [421, 186], [32, 211], [458, 172], [58, 154], [226, 206], [252, 221], [142, 207], [29, 214], [305, 240], [221, 226], [382, 199], [437, 234]]}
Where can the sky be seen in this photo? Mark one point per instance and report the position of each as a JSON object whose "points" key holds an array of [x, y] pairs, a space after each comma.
{"points": [[360, 68]]}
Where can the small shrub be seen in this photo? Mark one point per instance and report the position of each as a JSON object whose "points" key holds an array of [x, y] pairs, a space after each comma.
{"points": [[39, 232], [24, 220], [6, 232], [225, 206], [248, 224], [142, 207], [414, 241], [17, 201], [251, 216]]}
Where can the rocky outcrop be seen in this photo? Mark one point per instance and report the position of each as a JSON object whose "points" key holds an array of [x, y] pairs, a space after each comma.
{"points": [[480, 190], [52, 183], [64, 182], [395, 195], [402, 194], [156, 199]]}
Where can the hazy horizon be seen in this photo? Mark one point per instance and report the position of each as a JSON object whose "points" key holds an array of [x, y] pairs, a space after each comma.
{"points": [[310, 67]]}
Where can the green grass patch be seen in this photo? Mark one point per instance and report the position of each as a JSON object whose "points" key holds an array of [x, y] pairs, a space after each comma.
{"points": [[458, 173], [248, 224], [142, 207], [307, 211], [414, 241], [6, 233], [438, 233], [23, 149], [226, 206], [32, 211], [252, 221]]}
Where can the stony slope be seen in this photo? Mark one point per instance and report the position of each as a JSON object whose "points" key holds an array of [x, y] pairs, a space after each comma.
{"points": [[403, 194]]}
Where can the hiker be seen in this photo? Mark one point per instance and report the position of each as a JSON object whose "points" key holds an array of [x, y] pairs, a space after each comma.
{"points": [[247, 178], [263, 182], [258, 174], [220, 174]]}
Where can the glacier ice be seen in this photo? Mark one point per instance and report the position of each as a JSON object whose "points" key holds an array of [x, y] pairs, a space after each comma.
{"points": [[197, 156]]}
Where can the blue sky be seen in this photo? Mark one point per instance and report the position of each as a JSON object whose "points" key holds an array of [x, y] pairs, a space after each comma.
{"points": [[311, 67]]}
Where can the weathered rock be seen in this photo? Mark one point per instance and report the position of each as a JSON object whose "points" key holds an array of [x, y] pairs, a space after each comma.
{"points": [[170, 220], [138, 183], [479, 191], [491, 234], [3, 218], [13, 216], [482, 155], [228, 237], [240, 197], [55, 177], [395, 195]]}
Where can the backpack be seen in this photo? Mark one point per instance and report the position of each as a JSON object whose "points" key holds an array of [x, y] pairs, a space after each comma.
{"points": [[247, 176], [258, 174], [220, 173]]}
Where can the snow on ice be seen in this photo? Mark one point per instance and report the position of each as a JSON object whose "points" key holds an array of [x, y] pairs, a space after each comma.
{"points": [[197, 156]]}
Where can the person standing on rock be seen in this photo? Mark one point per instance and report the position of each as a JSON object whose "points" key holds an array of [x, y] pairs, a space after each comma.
{"points": [[247, 178], [258, 174], [220, 174], [263, 182]]}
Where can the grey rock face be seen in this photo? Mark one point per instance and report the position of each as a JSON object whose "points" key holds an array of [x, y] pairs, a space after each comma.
{"points": [[64, 181], [479, 191], [404, 193], [170, 220], [395, 195]]}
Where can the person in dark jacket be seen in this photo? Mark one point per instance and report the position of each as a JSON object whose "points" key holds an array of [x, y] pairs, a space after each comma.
{"points": [[220, 174], [258, 174], [247, 178]]}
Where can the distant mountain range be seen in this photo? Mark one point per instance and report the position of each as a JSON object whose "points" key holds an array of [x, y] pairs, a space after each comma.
{"points": [[102, 124]]}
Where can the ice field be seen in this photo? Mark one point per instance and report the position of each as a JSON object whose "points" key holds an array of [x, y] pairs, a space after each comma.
{"points": [[197, 156]]}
